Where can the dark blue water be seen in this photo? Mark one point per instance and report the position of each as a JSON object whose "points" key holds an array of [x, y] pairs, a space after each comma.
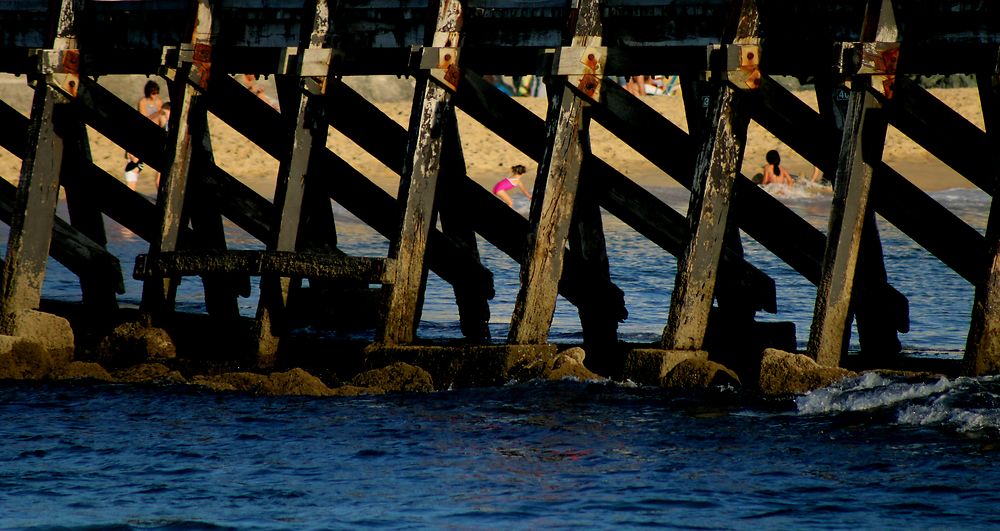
{"points": [[867, 453], [553, 455]]}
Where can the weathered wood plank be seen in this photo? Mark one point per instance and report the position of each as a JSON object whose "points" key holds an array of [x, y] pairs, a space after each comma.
{"points": [[260, 263], [158, 295], [716, 170], [554, 196], [597, 309], [34, 210], [98, 291], [472, 295], [308, 134], [982, 349], [38, 190], [942, 131], [898, 200], [188, 125], [847, 219], [261, 124], [417, 187], [854, 271], [670, 149], [880, 310]]}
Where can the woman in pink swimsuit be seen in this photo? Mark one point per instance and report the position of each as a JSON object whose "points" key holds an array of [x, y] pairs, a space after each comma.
{"points": [[509, 183]]}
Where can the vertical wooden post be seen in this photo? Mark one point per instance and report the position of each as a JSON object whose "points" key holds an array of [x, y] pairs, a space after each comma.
{"points": [[99, 293], [862, 139], [418, 180], [158, 295], [555, 190], [736, 310], [847, 217], [597, 307], [471, 293], [982, 349], [877, 310], [308, 135], [34, 210], [695, 90], [38, 187], [221, 291], [716, 169]]}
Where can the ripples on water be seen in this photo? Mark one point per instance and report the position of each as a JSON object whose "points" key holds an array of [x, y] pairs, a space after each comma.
{"points": [[870, 453]]}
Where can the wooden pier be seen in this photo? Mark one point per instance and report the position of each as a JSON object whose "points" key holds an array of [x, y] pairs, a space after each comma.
{"points": [[861, 55]]}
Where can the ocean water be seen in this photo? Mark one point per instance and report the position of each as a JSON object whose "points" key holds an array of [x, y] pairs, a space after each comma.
{"points": [[871, 452]]}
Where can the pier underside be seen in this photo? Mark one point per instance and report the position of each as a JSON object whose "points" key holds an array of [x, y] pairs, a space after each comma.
{"points": [[862, 58]]}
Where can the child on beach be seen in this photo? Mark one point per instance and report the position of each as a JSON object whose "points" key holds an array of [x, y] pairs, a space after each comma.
{"points": [[509, 183], [774, 172], [150, 105]]}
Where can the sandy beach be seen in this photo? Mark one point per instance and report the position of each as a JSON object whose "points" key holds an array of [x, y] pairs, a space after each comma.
{"points": [[489, 158]]}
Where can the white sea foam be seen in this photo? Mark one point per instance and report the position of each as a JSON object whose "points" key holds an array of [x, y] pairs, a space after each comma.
{"points": [[946, 402], [942, 413], [800, 190], [868, 391]]}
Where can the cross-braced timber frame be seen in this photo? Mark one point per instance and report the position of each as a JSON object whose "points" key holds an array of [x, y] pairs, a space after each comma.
{"points": [[861, 56]]}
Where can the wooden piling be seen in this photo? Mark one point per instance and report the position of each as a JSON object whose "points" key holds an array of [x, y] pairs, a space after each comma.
{"points": [[586, 241], [189, 126], [555, 191], [308, 135], [982, 350], [99, 291], [716, 169], [38, 188], [833, 299], [863, 136], [472, 295], [418, 180]]}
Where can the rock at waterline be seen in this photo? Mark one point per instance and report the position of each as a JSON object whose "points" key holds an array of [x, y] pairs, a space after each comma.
{"points": [[697, 373], [786, 373], [133, 343], [569, 364], [397, 377]]}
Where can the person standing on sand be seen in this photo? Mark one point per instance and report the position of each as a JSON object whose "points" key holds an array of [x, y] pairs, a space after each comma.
{"points": [[509, 183], [162, 119], [774, 172], [149, 105]]}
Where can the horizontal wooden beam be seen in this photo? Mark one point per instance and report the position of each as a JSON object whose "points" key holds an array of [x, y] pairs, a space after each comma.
{"points": [[899, 201], [263, 125], [78, 253], [257, 263]]}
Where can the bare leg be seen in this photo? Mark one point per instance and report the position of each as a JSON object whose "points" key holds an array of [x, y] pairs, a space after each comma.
{"points": [[502, 194]]}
